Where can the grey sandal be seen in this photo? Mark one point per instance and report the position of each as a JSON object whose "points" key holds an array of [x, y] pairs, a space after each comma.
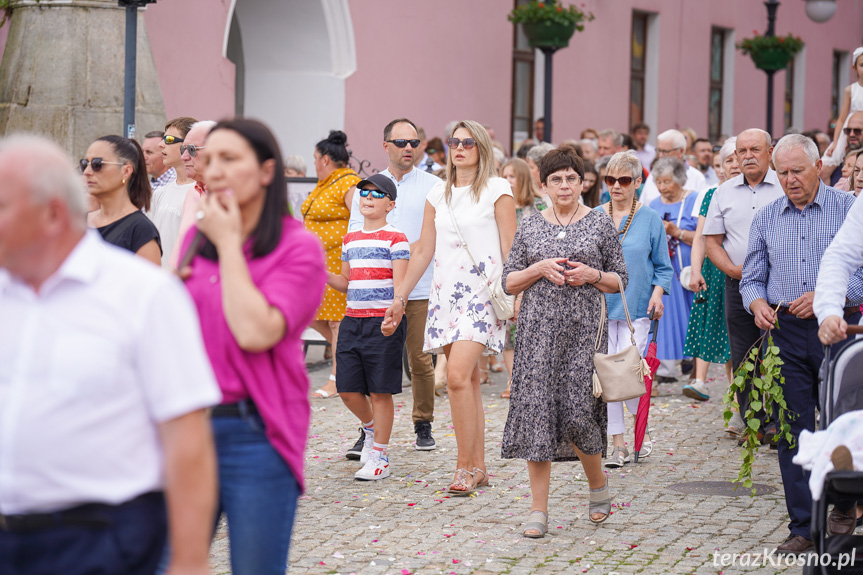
{"points": [[600, 502], [536, 521]]}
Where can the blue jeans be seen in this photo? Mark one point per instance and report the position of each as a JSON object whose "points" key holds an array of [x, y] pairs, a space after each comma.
{"points": [[258, 493]]}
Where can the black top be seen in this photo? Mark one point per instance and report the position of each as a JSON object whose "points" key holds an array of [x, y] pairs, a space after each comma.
{"points": [[131, 232]]}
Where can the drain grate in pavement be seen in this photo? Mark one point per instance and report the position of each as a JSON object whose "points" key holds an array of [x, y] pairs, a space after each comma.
{"points": [[723, 488]]}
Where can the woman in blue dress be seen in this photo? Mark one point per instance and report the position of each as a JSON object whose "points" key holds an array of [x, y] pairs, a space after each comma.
{"points": [[675, 207]]}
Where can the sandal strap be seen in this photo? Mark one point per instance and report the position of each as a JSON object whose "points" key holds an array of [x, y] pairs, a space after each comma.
{"points": [[600, 495]]}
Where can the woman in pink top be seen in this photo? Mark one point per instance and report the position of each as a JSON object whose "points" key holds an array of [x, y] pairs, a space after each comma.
{"points": [[257, 283]]}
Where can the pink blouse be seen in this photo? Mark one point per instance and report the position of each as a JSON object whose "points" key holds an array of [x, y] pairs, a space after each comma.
{"points": [[292, 279]]}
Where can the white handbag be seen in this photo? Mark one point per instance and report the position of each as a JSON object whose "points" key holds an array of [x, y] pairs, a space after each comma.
{"points": [[618, 376], [502, 303], [685, 272]]}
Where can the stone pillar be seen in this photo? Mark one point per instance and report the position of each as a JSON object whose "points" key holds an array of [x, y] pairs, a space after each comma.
{"points": [[62, 73]]}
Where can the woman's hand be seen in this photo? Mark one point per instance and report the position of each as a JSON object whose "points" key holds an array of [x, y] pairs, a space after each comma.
{"points": [[830, 148], [671, 228], [392, 317], [551, 269], [580, 274], [218, 217], [696, 282], [655, 304]]}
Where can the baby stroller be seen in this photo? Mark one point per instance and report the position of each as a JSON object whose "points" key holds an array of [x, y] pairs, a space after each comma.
{"points": [[841, 392]]}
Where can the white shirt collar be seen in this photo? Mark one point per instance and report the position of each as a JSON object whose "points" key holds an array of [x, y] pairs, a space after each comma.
{"points": [[80, 265]]}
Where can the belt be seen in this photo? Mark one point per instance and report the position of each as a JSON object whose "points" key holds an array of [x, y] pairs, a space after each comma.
{"points": [[846, 312], [97, 515], [239, 409]]}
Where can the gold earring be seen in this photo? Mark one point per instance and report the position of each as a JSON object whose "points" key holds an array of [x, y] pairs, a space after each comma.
{"points": [[124, 180]]}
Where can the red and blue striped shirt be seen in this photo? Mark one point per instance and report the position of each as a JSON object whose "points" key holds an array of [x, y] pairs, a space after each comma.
{"points": [[371, 255]]}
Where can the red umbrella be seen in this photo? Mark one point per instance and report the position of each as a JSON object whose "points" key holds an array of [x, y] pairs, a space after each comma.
{"points": [[644, 402]]}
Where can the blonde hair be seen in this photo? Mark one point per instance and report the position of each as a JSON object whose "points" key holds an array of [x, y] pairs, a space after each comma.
{"points": [[484, 170], [523, 192]]}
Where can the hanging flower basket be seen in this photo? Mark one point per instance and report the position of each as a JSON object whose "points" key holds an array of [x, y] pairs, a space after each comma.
{"points": [[548, 24], [771, 53]]}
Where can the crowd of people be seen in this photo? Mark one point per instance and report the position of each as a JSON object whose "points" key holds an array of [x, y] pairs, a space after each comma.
{"points": [[119, 463]]}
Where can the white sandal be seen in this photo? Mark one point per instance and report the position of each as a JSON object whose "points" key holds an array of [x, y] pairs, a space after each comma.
{"points": [[324, 394]]}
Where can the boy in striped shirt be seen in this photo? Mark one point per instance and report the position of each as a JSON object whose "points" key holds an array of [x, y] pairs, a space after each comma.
{"points": [[369, 353]]}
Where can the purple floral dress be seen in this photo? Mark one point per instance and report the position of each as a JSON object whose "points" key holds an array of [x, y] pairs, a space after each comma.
{"points": [[459, 302]]}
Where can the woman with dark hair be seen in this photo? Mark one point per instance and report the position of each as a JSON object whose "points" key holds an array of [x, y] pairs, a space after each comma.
{"points": [[256, 284], [326, 213], [563, 261], [117, 179], [468, 225], [592, 185]]}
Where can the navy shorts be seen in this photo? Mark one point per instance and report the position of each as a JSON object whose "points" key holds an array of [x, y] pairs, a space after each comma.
{"points": [[367, 361]]}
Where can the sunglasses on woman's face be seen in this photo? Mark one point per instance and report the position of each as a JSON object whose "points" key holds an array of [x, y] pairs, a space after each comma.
{"points": [[468, 143], [375, 194], [401, 143], [624, 181], [171, 139], [96, 164], [191, 148]]}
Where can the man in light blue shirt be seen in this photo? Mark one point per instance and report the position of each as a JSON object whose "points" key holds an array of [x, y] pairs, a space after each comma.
{"points": [[401, 143]]}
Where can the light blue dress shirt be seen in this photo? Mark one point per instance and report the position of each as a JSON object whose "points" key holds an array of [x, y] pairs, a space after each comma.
{"points": [[406, 217]]}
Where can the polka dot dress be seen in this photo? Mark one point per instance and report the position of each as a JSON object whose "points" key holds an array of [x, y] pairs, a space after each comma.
{"points": [[326, 216], [706, 335]]}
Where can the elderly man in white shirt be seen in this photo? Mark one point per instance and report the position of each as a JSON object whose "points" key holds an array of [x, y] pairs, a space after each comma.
{"points": [[400, 143], [104, 386], [672, 143]]}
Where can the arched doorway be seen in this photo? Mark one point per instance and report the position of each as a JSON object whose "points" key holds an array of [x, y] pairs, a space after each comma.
{"points": [[292, 59]]}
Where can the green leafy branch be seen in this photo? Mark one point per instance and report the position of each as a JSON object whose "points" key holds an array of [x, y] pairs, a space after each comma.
{"points": [[762, 365]]}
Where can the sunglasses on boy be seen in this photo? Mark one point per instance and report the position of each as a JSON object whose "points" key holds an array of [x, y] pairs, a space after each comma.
{"points": [[401, 143], [171, 139], [375, 194], [96, 164], [624, 181], [468, 143]]}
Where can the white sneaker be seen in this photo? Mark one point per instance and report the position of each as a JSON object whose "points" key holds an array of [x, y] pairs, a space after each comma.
{"points": [[377, 467], [368, 444], [697, 390]]}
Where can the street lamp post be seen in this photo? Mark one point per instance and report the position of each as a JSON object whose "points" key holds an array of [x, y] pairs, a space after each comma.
{"points": [[772, 5], [131, 62], [548, 51]]}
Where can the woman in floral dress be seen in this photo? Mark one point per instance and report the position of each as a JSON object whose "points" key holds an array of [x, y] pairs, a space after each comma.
{"points": [[461, 322]]}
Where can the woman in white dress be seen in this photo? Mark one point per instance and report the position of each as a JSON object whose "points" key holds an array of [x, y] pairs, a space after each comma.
{"points": [[461, 322]]}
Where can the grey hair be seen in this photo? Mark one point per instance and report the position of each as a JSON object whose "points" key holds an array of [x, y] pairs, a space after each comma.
{"points": [[671, 166], [616, 137], [767, 138], [499, 156], [296, 163], [588, 142], [50, 171], [792, 141], [678, 140], [538, 152], [728, 148], [602, 162], [206, 125], [625, 162]]}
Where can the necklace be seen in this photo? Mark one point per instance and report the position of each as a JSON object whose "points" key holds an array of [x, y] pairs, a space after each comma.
{"points": [[628, 221], [562, 233]]}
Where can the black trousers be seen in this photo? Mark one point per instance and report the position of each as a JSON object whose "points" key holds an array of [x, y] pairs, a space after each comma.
{"points": [[802, 352], [130, 542], [742, 332]]}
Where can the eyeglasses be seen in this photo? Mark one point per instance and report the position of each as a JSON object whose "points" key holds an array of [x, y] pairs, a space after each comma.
{"points": [[624, 181], [666, 152], [171, 139], [856, 131], [401, 143], [191, 148], [716, 150], [375, 194], [468, 143], [96, 164], [557, 181]]}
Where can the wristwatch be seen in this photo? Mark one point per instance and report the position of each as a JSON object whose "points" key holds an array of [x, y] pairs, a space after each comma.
{"points": [[680, 235]]}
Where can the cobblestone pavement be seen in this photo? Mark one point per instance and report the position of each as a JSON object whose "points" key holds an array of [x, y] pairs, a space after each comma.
{"points": [[407, 524]]}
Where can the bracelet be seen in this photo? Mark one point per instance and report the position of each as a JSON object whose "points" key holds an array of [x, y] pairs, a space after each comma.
{"points": [[599, 279], [404, 303], [680, 235]]}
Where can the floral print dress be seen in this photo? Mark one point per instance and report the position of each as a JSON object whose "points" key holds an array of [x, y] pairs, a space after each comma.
{"points": [[459, 302], [551, 403]]}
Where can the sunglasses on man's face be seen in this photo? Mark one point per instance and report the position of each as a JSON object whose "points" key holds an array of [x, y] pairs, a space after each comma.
{"points": [[375, 194], [191, 148], [624, 181], [856, 131], [468, 143], [171, 139], [96, 164], [401, 143]]}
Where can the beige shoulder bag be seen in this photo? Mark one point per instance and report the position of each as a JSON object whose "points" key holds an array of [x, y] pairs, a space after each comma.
{"points": [[618, 376]]}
